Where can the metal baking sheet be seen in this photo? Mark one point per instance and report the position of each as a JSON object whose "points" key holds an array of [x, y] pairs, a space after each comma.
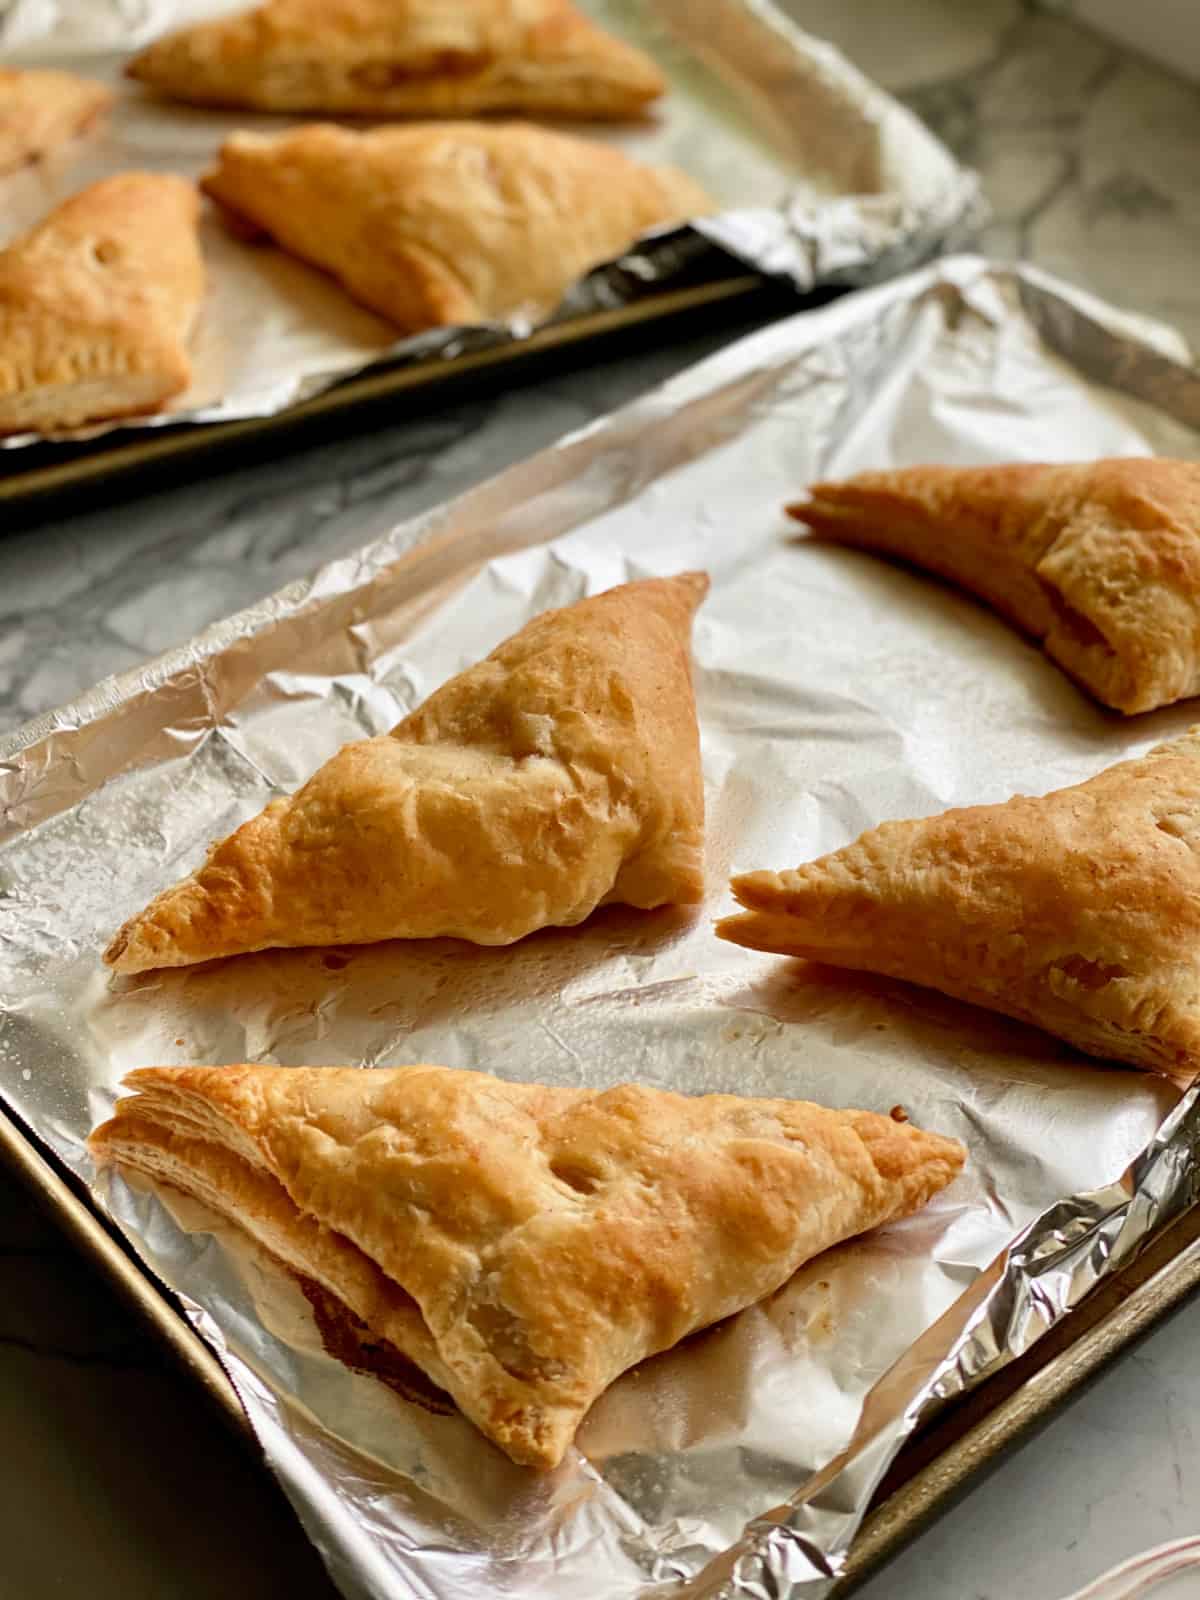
{"points": [[824, 180], [834, 690]]}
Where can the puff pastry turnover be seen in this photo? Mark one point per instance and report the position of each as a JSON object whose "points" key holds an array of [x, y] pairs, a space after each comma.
{"points": [[1100, 563], [445, 223], [561, 773], [522, 1245], [386, 58], [96, 304], [1078, 911], [40, 110]]}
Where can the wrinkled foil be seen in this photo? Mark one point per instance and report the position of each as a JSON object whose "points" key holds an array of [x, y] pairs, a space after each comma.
{"points": [[822, 177], [834, 691]]}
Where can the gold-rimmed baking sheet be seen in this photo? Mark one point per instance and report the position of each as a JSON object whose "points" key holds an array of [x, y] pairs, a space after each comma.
{"points": [[822, 181]]}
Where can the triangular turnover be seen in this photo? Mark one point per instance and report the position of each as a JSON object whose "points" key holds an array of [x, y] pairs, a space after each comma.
{"points": [[560, 774], [524, 1245], [97, 302], [41, 110], [1078, 910], [438, 224], [397, 58], [1098, 561]]}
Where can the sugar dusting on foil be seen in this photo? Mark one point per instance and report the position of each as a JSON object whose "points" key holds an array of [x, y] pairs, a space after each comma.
{"points": [[821, 177], [834, 691]]}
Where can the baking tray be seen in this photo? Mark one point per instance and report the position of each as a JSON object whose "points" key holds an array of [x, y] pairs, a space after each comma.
{"points": [[931, 1472], [974, 335], [822, 181]]}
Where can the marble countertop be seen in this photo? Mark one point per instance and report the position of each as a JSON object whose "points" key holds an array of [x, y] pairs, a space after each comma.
{"points": [[122, 1480]]}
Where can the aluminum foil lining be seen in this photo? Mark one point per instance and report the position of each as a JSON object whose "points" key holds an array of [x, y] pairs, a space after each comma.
{"points": [[834, 690], [824, 180]]}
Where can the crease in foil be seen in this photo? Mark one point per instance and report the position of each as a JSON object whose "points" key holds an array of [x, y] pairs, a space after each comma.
{"points": [[821, 177], [834, 691]]}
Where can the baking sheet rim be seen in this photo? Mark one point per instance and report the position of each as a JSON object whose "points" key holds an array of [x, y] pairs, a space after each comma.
{"points": [[137, 452]]}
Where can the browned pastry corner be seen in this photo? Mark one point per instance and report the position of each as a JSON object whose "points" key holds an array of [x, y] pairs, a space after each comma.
{"points": [[1100, 562], [446, 223], [41, 110], [1078, 911], [403, 58], [559, 774], [96, 304], [522, 1245]]}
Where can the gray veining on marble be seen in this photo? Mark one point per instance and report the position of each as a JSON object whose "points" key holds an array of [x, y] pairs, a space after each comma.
{"points": [[121, 1482]]}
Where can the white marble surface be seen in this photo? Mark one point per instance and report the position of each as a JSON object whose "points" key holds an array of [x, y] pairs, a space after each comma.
{"points": [[120, 1480], [1165, 30]]}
